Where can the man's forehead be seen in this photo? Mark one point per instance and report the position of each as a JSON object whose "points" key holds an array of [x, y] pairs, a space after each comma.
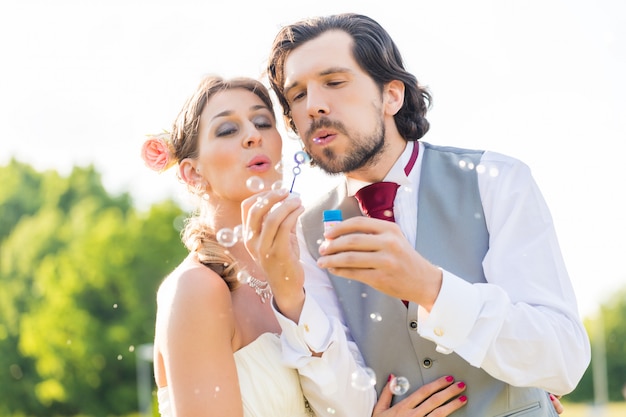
{"points": [[329, 52]]}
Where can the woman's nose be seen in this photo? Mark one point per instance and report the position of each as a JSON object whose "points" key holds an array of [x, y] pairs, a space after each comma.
{"points": [[252, 137]]}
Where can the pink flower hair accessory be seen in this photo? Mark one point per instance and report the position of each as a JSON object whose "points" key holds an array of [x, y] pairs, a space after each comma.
{"points": [[158, 152]]}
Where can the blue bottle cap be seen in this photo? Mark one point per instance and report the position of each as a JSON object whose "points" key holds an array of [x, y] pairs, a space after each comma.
{"points": [[332, 216]]}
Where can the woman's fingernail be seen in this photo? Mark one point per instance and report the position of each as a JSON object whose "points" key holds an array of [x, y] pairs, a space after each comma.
{"points": [[552, 397], [389, 377], [449, 378], [462, 398], [461, 384]]}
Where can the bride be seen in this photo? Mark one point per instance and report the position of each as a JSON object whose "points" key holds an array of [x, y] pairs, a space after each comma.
{"points": [[217, 347]]}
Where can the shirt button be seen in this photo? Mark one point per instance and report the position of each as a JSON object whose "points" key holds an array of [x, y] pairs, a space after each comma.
{"points": [[306, 328], [438, 331], [413, 324], [427, 363]]}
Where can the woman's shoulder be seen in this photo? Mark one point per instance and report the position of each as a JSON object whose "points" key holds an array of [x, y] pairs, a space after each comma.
{"points": [[191, 285]]}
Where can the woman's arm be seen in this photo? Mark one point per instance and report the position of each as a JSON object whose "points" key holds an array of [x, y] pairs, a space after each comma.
{"points": [[195, 326]]}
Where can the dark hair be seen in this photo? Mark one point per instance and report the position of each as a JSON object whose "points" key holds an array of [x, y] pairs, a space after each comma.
{"points": [[374, 51]]}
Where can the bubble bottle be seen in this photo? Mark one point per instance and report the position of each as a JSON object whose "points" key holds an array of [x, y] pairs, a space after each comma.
{"points": [[331, 218]]}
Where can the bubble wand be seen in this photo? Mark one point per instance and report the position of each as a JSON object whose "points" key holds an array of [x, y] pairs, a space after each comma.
{"points": [[300, 157]]}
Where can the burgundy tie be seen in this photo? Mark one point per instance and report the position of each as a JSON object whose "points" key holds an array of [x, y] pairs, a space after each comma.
{"points": [[376, 200]]}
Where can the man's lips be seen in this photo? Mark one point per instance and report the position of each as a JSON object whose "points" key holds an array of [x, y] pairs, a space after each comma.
{"points": [[259, 163], [322, 137]]}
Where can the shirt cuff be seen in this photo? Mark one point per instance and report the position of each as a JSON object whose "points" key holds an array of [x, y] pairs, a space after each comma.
{"points": [[312, 333], [450, 331]]}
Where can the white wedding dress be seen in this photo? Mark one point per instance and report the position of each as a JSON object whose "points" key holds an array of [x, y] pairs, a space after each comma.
{"points": [[268, 388]]}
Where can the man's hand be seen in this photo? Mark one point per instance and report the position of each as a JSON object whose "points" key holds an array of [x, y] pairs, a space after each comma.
{"points": [[376, 252]]}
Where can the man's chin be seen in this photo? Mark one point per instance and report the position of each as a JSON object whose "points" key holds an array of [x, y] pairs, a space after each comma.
{"points": [[330, 167]]}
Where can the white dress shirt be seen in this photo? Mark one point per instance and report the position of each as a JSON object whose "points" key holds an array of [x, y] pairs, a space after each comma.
{"points": [[522, 326]]}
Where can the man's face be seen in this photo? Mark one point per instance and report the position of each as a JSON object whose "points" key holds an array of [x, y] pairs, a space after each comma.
{"points": [[335, 105]]}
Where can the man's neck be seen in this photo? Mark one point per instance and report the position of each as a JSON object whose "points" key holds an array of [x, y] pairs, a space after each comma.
{"points": [[380, 166]]}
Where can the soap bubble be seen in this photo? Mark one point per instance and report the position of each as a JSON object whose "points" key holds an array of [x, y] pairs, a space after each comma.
{"points": [[238, 233], [277, 185], [226, 237], [363, 379], [255, 184], [399, 385], [243, 276], [261, 202], [376, 317]]}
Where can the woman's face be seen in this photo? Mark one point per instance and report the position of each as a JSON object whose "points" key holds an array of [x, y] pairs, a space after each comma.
{"points": [[237, 140]]}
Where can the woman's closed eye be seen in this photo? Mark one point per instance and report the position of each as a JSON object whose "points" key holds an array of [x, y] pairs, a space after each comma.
{"points": [[263, 122], [226, 129]]}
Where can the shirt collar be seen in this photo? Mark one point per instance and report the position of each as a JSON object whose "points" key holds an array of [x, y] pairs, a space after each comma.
{"points": [[396, 173]]}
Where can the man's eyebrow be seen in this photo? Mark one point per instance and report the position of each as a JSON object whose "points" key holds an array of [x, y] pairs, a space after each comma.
{"points": [[327, 71]]}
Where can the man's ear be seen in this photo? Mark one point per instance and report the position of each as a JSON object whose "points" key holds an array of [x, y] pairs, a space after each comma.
{"points": [[393, 97], [189, 173]]}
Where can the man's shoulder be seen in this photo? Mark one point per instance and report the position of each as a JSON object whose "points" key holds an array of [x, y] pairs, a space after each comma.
{"points": [[429, 147]]}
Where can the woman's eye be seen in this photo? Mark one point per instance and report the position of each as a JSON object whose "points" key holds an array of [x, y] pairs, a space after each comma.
{"points": [[226, 129], [263, 122]]}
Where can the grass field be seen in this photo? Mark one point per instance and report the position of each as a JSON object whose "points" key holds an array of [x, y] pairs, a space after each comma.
{"points": [[586, 410]]}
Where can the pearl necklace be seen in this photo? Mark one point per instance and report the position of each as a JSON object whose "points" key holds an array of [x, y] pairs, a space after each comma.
{"points": [[262, 288]]}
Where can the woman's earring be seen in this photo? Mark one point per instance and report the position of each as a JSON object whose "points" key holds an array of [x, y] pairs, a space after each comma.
{"points": [[200, 190]]}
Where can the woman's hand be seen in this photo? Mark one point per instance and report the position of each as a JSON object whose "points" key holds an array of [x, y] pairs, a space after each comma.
{"points": [[269, 234], [436, 399], [556, 402]]}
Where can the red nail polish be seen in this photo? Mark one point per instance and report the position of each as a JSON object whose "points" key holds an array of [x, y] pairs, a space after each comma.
{"points": [[449, 378], [552, 397], [462, 398], [461, 384], [389, 377]]}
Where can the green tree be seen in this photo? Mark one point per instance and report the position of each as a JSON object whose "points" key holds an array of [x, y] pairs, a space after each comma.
{"points": [[79, 270], [613, 312]]}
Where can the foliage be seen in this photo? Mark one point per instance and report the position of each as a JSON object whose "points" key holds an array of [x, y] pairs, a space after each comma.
{"points": [[614, 333], [79, 270]]}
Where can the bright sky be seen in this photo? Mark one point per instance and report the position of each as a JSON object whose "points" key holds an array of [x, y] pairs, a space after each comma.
{"points": [[543, 80]]}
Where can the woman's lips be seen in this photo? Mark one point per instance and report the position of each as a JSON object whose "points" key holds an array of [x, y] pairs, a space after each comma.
{"points": [[260, 163]]}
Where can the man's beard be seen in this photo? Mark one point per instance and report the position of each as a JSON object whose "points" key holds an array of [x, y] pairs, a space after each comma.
{"points": [[362, 150]]}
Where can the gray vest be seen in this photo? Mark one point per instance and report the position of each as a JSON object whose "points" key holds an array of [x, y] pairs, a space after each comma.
{"points": [[451, 233]]}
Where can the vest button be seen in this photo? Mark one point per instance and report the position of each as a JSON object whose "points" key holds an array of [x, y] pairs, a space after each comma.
{"points": [[413, 324], [427, 363]]}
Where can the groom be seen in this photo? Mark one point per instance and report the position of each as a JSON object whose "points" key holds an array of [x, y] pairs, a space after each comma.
{"points": [[472, 250]]}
